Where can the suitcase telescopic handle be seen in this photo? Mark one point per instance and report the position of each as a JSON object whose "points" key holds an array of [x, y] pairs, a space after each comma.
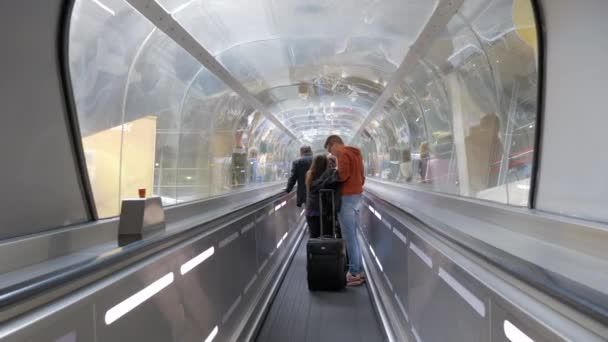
{"points": [[331, 213]]}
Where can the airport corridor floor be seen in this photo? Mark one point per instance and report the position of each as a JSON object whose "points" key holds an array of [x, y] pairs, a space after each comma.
{"points": [[297, 314]]}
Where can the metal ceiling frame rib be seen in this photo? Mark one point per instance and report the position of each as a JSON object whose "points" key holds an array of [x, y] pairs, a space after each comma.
{"points": [[165, 22], [442, 14]]}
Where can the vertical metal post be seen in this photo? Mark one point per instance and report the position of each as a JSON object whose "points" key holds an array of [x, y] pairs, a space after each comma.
{"points": [[508, 138]]}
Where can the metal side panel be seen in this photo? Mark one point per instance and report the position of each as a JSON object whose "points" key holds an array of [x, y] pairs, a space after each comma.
{"points": [[237, 261], [443, 304], [266, 236], [550, 254], [52, 250], [207, 287], [389, 316], [396, 265], [441, 294], [59, 322], [190, 305], [160, 318], [200, 289]]}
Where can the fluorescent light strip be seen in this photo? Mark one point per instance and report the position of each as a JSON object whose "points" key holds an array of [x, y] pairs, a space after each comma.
{"points": [[425, 258], [228, 240], [104, 7], [387, 225], [400, 304], [212, 335], [247, 228], [281, 241], [277, 207], [413, 331], [514, 334], [400, 236], [371, 209], [135, 300], [263, 265], [302, 212], [379, 264], [250, 283], [372, 250], [388, 282], [378, 215], [467, 295], [231, 310], [69, 337], [284, 203], [192, 263]]}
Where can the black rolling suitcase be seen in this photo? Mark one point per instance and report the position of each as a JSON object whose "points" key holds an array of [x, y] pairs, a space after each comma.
{"points": [[325, 256]]}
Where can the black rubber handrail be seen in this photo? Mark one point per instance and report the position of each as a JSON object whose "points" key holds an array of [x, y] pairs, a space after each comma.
{"points": [[576, 295], [128, 255]]}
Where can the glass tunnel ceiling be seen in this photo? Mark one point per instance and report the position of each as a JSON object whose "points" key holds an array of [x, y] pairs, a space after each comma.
{"points": [[297, 57], [319, 67], [316, 56]]}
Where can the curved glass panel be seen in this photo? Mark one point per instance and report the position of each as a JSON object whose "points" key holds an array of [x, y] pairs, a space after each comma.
{"points": [[270, 44], [469, 126], [461, 121], [152, 117], [388, 26]]}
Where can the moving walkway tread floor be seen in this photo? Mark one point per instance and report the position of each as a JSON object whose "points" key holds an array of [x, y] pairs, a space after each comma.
{"points": [[297, 314]]}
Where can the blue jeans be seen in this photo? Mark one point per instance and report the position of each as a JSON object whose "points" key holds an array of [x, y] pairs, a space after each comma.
{"points": [[349, 222]]}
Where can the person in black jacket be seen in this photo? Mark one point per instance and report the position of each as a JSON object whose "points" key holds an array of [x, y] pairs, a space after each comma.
{"points": [[321, 177], [298, 174]]}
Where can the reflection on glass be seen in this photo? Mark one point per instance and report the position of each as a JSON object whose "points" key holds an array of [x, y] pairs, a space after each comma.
{"points": [[152, 117], [463, 122]]}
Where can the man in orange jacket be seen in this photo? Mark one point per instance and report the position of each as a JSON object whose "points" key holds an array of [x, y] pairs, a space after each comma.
{"points": [[351, 175]]}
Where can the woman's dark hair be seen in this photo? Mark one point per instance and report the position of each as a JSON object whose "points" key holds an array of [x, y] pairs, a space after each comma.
{"points": [[319, 165]]}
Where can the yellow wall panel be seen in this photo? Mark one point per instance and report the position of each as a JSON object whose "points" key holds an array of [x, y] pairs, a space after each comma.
{"points": [[103, 155]]}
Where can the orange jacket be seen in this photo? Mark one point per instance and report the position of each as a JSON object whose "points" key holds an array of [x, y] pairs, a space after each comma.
{"points": [[350, 171]]}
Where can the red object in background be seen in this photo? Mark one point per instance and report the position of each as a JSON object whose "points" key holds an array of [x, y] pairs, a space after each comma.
{"points": [[142, 193]]}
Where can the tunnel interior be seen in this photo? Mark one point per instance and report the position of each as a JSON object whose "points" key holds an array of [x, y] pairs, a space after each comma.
{"points": [[464, 111], [440, 95]]}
